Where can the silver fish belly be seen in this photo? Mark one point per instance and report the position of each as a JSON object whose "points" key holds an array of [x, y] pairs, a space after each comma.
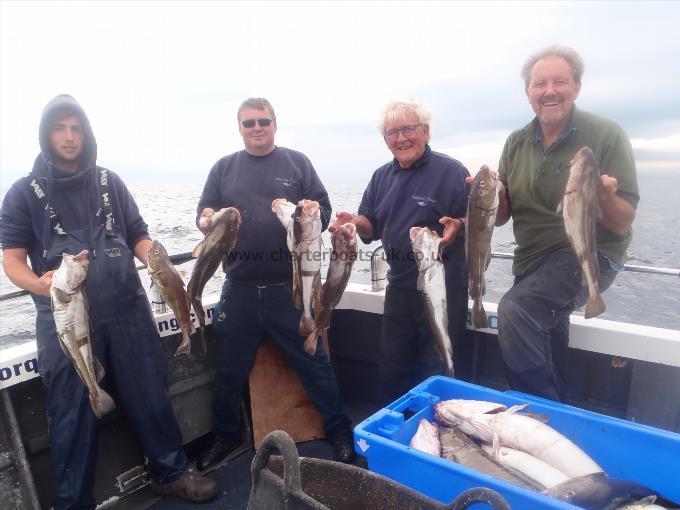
{"points": [[72, 320], [432, 285]]}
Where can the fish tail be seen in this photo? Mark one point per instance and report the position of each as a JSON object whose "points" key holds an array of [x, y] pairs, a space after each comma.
{"points": [[306, 325], [102, 403], [185, 346], [323, 319], [311, 343], [595, 305], [479, 318]]}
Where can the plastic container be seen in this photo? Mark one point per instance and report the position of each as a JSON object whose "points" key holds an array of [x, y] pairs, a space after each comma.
{"points": [[625, 450]]}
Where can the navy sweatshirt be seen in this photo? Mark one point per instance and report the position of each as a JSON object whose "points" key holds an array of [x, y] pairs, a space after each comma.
{"points": [[397, 199], [24, 222], [250, 184]]}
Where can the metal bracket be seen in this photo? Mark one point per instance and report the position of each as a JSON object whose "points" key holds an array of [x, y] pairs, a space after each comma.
{"points": [[132, 479]]}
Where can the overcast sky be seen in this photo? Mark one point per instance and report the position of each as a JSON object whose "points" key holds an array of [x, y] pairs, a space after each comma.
{"points": [[161, 81]]}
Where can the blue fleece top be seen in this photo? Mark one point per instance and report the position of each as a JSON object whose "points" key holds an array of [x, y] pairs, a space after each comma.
{"points": [[250, 184], [24, 223], [397, 199]]}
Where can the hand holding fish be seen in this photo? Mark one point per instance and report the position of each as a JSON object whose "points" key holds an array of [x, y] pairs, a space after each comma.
{"points": [[44, 284], [452, 229], [204, 223], [341, 218], [617, 212]]}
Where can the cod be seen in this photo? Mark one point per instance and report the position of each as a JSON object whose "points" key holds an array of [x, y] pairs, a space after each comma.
{"points": [[481, 218], [171, 286], [580, 210], [432, 286], [72, 320], [214, 249], [303, 235]]}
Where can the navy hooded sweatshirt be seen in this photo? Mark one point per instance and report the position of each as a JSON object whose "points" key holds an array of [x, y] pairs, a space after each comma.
{"points": [[24, 223]]}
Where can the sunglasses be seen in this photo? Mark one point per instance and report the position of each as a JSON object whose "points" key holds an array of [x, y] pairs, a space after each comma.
{"points": [[251, 122]]}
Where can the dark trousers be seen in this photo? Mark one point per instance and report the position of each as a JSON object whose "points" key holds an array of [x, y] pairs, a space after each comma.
{"points": [[244, 315], [407, 346], [128, 347], [533, 322]]}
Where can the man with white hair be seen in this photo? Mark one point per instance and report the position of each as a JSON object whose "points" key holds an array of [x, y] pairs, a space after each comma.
{"points": [[418, 188]]}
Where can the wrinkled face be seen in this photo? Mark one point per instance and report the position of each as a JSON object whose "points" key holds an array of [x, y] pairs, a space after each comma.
{"points": [[552, 91], [408, 143], [258, 139], [66, 142]]}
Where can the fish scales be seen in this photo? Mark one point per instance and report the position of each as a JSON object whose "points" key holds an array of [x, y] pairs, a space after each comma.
{"points": [[215, 249], [431, 283], [72, 321], [480, 222], [458, 447], [344, 242], [171, 286], [303, 229], [580, 210]]}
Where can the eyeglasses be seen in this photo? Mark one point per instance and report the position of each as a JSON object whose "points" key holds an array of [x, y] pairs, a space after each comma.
{"points": [[251, 122], [407, 130]]}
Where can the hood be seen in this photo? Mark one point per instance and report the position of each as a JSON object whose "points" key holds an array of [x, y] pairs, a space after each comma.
{"points": [[65, 103]]}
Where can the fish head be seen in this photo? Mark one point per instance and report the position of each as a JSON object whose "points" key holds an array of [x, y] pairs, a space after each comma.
{"points": [[584, 170], [425, 244], [344, 237], [307, 208], [156, 256], [485, 188], [72, 272], [589, 491]]}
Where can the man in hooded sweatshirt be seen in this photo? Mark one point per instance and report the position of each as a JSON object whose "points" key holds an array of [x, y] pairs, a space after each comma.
{"points": [[68, 204]]}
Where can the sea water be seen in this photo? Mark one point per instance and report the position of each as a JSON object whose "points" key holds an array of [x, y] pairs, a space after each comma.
{"points": [[652, 300]]}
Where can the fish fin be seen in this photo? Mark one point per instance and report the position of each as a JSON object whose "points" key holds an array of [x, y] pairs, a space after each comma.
{"points": [[324, 343], [182, 274], [594, 306], [560, 207], [486, 266], [516, 409], [478, 427], [102, 404], [99, 371], [479, 318], [496, 446], [197, 250], [311, 343], [61, 296]]}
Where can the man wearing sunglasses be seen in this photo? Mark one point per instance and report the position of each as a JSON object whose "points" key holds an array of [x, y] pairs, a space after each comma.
{"points": [[422, 188], [256, 297]]}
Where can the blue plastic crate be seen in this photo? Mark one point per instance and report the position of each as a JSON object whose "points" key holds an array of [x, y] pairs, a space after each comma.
{"points": [[625, 450]]}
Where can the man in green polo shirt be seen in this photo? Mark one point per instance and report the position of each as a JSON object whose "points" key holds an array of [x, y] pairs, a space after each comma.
{"points": [[534, 168]]}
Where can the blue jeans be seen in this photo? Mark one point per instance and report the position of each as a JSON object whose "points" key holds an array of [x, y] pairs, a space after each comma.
{"points": [[533, 321], [245, 314]]}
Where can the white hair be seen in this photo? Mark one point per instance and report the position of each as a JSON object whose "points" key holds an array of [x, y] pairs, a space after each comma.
{"points": [[397, 109]]}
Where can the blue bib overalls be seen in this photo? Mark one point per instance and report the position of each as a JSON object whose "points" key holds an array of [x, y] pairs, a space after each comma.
{"points": [[126, 342]]}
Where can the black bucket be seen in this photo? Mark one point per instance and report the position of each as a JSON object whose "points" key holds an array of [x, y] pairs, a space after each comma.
{"points": [[293, 483]]}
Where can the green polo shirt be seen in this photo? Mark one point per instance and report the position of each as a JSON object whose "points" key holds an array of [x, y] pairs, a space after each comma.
{"points": [[536, 180]]}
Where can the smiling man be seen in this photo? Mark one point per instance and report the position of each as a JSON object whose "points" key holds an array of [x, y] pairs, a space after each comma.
{"points": [[534, 168], [256, 297], [418, 188]]}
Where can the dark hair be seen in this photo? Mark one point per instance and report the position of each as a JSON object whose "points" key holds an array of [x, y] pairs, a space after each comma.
{"points": [[257, 103]]}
